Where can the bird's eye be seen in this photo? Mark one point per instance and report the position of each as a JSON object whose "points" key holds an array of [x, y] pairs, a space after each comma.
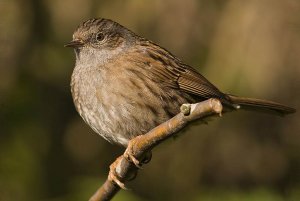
{"points": [[100, 37]]}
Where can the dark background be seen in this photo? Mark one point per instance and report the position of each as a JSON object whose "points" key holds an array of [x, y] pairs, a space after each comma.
{"points": [[249, 48]]}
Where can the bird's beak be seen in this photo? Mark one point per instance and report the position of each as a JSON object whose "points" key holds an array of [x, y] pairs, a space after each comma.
{"points": [[74, 43]]}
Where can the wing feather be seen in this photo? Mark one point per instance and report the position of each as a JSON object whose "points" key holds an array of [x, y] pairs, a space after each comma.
{"points": [[172, 72]]}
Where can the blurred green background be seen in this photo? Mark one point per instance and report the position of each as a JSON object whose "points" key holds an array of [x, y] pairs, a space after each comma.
{"points": [[249, 48]]}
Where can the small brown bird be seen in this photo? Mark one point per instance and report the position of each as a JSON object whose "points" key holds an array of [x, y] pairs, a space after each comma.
{"points": [[123, 85]]}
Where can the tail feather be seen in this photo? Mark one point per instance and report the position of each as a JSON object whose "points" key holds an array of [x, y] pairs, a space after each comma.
{"points": [[261, 105]]}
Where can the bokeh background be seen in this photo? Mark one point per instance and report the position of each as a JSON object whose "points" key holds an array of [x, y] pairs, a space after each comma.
{"points": [[249, 48]]}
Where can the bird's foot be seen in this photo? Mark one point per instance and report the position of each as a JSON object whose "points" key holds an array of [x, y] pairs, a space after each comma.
{"points": [[113, 176], [129, 154]]}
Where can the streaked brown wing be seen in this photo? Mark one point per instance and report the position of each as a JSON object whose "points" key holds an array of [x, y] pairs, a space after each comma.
{"points": [[170, 71], [193, 82]]}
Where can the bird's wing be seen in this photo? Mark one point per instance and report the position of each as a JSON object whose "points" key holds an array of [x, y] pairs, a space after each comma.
{"points": [[170, 71]]}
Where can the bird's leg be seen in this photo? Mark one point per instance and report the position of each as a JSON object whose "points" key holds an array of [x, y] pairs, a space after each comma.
{"points": [[129, 153], [113, 176]]}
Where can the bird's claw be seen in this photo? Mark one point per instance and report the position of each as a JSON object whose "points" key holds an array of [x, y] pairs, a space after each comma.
{"points": [[129, 156], [113, 177]]}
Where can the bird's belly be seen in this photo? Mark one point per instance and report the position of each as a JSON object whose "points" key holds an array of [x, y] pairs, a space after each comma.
{"points": [[123, 109], [119, 119]]}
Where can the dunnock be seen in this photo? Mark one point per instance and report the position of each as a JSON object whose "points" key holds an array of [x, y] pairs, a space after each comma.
{"points": [[123, 85]]}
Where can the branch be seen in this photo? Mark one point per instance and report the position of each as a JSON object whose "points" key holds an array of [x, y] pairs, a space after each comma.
{"points": [[138, 147]]}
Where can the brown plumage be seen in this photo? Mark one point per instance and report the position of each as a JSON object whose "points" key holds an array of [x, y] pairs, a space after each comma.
{"points": [[123, 85]]}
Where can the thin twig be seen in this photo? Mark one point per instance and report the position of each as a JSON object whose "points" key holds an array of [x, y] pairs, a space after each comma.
{"points": [[142, 144]]}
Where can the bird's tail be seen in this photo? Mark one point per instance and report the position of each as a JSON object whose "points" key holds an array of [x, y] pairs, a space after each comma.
{"points": [[260, 105]]}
